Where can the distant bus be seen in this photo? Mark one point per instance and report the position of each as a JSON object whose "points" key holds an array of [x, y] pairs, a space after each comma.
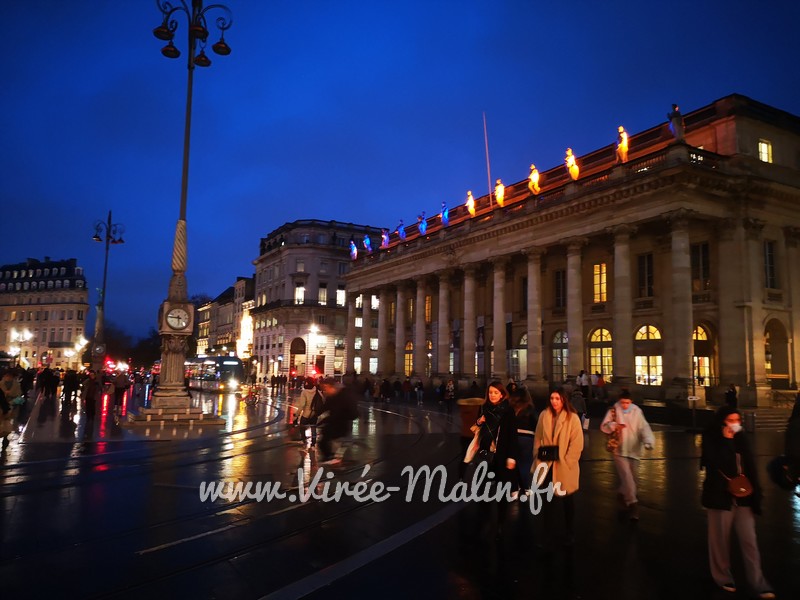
{"points": [[214, 373]]}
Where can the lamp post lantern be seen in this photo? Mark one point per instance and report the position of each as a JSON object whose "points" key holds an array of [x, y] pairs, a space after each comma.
{"points": [[176, 314], [110, 233]]}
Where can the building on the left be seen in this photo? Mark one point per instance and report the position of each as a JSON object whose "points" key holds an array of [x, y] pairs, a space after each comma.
{"points": [[43, 309]]}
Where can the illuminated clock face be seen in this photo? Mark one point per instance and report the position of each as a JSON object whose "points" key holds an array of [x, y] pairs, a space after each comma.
{"points": [[99, 349], [178, 318]]}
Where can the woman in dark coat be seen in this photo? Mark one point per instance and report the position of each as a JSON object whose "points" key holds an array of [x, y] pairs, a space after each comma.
{"points": [[726, 453], [498, 443]]}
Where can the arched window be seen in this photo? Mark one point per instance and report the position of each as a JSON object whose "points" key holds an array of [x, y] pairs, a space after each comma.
{"points": [[409, 359], [560, 368], [649, 350], [648, 332], [600, 352]]}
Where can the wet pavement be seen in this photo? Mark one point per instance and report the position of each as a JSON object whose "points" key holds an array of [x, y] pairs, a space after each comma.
{"points": [[98, 510]]}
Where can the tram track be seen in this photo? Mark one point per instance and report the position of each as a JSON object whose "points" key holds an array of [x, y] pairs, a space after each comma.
{"points": [[217, 516]]}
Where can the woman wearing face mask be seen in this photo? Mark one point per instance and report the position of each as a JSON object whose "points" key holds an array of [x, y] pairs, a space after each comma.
{"points": [[635, 433], [726, 453]]}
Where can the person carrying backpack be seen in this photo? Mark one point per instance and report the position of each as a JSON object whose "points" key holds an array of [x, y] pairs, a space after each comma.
{"points": [[309, 408]]}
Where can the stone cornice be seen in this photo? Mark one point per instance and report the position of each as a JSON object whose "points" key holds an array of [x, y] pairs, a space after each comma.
{"points": [[448, 249]]}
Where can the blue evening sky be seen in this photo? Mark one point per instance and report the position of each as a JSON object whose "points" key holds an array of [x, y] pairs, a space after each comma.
{"points": [[364, 111]]}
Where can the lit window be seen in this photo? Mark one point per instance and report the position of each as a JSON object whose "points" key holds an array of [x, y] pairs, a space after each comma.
{"points": [[600, 352], [301, 266], [648, 332], [560, 356], [357, 343], [765, 151], [375, 302], [299, 293], [409, 359], [600, 282], [341, 296], [649, 370], [359, 322], [428, 308], [373, 343], [323, 294], [359, 301]]}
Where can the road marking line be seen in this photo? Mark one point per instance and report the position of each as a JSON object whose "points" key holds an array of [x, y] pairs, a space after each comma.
{"points": [[328, 575], [186, 539]]}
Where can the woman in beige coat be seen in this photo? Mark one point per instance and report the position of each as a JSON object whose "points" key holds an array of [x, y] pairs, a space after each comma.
{"points": [[558, 443]]}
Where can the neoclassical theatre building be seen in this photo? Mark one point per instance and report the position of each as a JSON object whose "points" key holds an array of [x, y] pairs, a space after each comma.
{"points": [[668, 262]]}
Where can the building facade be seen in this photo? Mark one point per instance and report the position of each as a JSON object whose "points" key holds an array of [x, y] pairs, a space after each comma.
{"points": [[672, 270], [43, 310], [299, 314]]}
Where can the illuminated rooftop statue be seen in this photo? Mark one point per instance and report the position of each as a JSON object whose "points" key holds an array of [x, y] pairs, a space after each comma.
{"points": [[353, 249], [572, 166], [401, 230], [367, 244], [500, 193], [676, 122], [622, 145], [533, 180], [445, 215], [384, 238], [470, 203], [422, 224]]}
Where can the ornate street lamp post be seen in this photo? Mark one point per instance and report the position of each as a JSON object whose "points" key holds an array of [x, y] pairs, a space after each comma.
{"points": [[176, 314], [110, 233]]}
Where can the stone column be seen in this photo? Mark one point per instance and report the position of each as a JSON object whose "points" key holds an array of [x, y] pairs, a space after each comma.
{"points": [[468, 326], [420, 349], [754, 311], [534, 308], [732, 361], [366, 331], [383, 332], [500, 363], [400, 331], [622, 338], [350, 341], [791, 236], [575, 304], [679, 369], [443, 341]]}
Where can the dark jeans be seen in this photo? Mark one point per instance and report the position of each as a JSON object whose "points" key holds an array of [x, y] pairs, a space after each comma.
{"points": [[550, 510]]}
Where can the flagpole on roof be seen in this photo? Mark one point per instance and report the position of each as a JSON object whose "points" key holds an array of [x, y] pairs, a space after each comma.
{"points": [[488, 168]]}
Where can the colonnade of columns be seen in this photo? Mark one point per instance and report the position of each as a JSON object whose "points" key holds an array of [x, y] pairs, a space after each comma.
{"points": [[459, 320]]}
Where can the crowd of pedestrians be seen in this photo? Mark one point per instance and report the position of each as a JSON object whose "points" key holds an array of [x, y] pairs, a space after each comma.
{"points": [[517, 444]]}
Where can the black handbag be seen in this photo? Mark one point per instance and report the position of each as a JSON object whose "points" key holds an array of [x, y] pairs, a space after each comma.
{"points": [[548, 453]]}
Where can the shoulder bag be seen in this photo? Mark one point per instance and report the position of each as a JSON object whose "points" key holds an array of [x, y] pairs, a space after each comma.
{"points": [[612, 442], [738, 486]]}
